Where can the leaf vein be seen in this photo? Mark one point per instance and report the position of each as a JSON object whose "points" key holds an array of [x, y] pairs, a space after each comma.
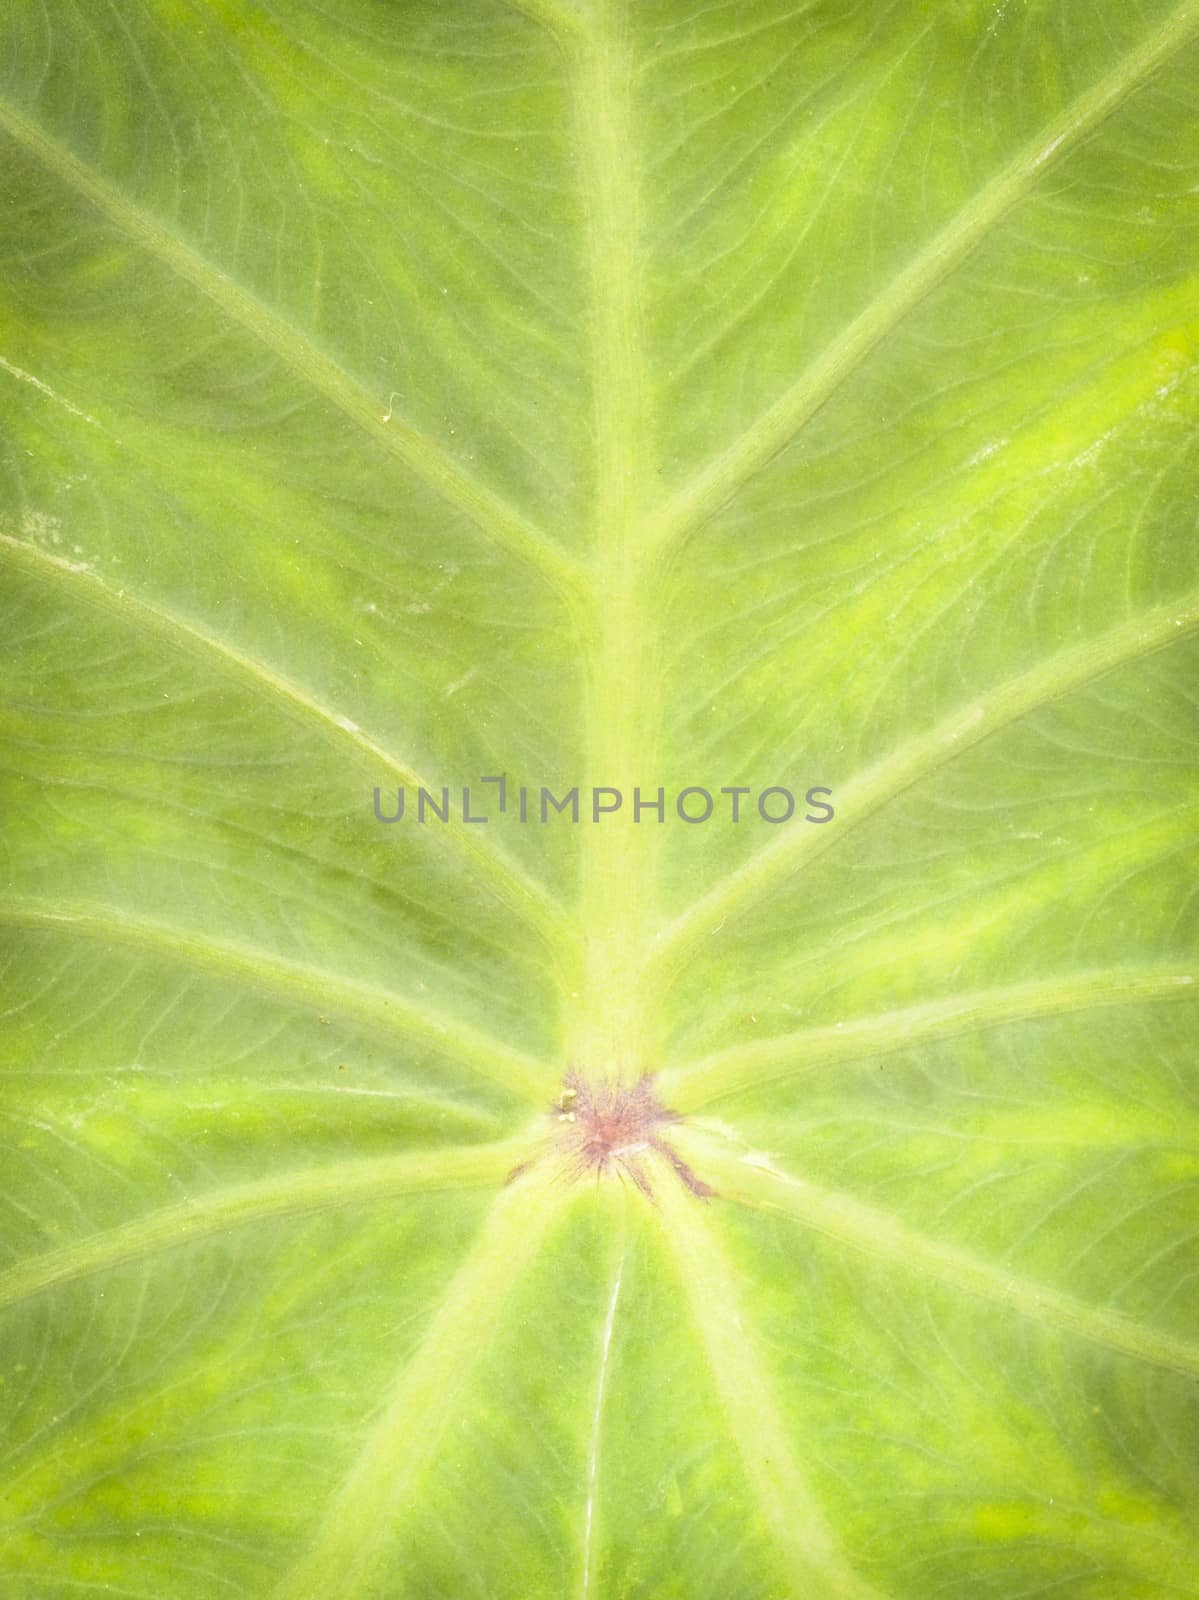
{"points": [[279, 976], [755, 1182], [1051, 679], [301, 1192], [490, 513], [522, 893], [772, 1060], [717, 482]]}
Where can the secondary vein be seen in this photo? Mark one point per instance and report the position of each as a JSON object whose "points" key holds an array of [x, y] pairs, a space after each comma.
{"points": [[307, 1191], [754, 1181], [490, 513], [721, 478], [554, 18], [690, 1085], [379, 1008], [590, 1549], [1060, 674], [816, 1562], [359, 1524], [519, 891]]}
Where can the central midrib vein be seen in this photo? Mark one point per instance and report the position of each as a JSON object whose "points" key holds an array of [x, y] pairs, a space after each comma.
{"points": [[607, 1032]]}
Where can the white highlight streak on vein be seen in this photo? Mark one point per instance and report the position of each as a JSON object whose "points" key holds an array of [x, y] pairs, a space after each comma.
{"points": [[593, 1457], [44, 388]]}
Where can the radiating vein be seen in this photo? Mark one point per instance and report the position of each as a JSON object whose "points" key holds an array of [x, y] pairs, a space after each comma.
{"points": [[402, 1440], [296, 1193], [716, 483], [752, 1180], [789, 1508], [488, 511], [268, 973], [799, 843], [762, 1061], [510, 882], [590, 1547]]}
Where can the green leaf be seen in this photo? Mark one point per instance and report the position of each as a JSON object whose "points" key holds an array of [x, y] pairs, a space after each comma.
{"points": [[607, 395]]}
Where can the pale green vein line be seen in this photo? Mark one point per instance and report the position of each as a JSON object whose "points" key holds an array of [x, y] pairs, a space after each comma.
{"points": [[604, 70], [275, 975], [763, 1061], [590, 1544], [520, 892], [44, 388], [621, 712], [789, 1508], [402, 1440], [490, 513], [298, 1193], [753, 1181], [553, 18], [777, 425], [800, 842]]}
